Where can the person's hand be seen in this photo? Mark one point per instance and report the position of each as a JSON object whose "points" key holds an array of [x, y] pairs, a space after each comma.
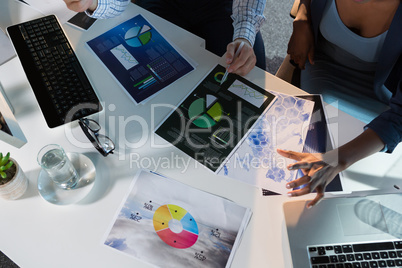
{"points": [[246, 60], [318, 169], [81, 5], [301, 43]]}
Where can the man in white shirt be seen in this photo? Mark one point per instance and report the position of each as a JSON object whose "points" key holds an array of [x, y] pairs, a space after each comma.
{"points": [[224, 24]]}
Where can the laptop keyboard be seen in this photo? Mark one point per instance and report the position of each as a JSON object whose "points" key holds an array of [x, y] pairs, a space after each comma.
{"points": [[356, 255], [60, 85]]}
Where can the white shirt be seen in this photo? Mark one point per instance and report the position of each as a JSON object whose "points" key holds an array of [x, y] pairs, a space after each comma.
{"points": [[247, 15]]}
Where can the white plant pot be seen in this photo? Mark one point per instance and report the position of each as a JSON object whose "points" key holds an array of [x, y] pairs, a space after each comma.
{"points": [[16, 187]]}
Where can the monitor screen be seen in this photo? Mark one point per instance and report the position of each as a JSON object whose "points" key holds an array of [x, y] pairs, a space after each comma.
{"points": [[10, 131]]}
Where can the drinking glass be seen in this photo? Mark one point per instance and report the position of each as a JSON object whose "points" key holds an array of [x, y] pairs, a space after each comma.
{"points": [[55, 162]]}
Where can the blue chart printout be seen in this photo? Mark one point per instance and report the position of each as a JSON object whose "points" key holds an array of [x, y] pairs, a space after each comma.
{"points": [[284, 125], [140, 58]]}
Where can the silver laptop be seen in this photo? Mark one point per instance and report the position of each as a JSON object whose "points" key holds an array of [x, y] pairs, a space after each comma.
{"points": [[346, 231]]}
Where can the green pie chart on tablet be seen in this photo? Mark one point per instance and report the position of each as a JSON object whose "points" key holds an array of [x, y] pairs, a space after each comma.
{"points": [[138, 36], [205, 112]]}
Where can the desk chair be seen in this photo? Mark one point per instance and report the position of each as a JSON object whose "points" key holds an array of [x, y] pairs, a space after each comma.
{"points": [[287, 71]]}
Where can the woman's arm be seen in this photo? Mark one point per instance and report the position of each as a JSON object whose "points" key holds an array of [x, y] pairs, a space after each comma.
{"points": [[301, 43]]}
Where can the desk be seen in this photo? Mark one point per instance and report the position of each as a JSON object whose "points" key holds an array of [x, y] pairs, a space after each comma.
{"points": [[35, 233]]}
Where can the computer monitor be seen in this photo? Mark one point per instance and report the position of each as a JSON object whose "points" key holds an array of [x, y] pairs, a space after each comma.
{"points": [[10, 131]]}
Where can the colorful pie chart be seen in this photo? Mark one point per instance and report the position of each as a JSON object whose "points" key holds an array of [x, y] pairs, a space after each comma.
{"points": [[205, 112], [175, 226], [138, 36], [218, 76]]}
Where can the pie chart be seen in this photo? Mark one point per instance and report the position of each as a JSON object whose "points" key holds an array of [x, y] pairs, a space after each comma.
{"points": [[175, 226], [138, 36], [205, 112], [218, 76]]}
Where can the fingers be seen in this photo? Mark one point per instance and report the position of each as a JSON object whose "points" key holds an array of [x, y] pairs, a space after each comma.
{"points": [[290, 154], [300, 60], [303, 191], [299, 182], [317, 175], [233, 47], [81, 5], [307, 165], [317, 199], [230, 51], [245, 61], [300, 165], [310, 183], [306, 190]]}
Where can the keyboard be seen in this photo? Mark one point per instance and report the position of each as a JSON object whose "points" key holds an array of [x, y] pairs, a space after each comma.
{"points": [[57, 78], [356, 255]]}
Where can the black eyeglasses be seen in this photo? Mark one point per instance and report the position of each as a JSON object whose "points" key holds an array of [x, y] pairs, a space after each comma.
{"points": [[101, 142]]}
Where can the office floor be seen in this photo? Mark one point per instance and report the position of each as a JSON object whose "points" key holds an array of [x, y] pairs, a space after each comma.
{"points": [[275, 32], [6, 262]]}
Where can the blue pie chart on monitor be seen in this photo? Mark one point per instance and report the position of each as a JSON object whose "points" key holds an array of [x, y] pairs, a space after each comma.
{"points": [[138, 36]]}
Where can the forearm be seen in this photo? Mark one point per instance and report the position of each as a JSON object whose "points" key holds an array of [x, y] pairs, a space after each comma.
{"points": [[360, 147], [248, 16]]}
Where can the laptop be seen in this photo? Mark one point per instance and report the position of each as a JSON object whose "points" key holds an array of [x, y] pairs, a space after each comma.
{"points": [[363, 231]]}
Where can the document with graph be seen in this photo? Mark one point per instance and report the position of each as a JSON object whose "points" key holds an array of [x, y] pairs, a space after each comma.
{"points": [[213, 119], [166, 223], [140, 58], [285, 126]]}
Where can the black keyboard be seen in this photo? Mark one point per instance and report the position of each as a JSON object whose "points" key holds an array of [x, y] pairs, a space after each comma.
{"points": [[59, 83], [356, 255]]}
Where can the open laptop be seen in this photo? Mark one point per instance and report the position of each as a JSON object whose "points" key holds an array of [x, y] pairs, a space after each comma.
{"points": [[346, 231], [353, 221]]}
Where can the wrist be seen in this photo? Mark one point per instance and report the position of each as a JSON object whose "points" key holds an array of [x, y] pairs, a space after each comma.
{"points": [[240, 39], [336, 158], [360, 147]]}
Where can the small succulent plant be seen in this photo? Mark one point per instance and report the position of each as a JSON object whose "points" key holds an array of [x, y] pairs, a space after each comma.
{"points": [[5, 164]]}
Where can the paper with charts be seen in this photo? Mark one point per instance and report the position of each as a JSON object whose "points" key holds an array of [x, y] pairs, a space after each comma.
{"points": [[255, 161], [169, 224], [140, 58], [213, 119]]}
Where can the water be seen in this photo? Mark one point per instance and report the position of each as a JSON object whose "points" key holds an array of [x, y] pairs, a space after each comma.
{"points": [[59, 168]]}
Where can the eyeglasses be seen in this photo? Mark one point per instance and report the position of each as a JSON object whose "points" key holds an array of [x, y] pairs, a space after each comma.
{"points": [[101, 142]]}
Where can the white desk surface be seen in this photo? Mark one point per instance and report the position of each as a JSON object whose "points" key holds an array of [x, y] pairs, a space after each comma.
{"points": [[35, 233]]}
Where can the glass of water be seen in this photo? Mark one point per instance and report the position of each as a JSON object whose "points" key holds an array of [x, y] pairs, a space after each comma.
{"points": [[55, 162]]}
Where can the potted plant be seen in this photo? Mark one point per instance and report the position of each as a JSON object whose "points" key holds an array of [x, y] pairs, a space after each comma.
{"points": [[13, 182]]}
